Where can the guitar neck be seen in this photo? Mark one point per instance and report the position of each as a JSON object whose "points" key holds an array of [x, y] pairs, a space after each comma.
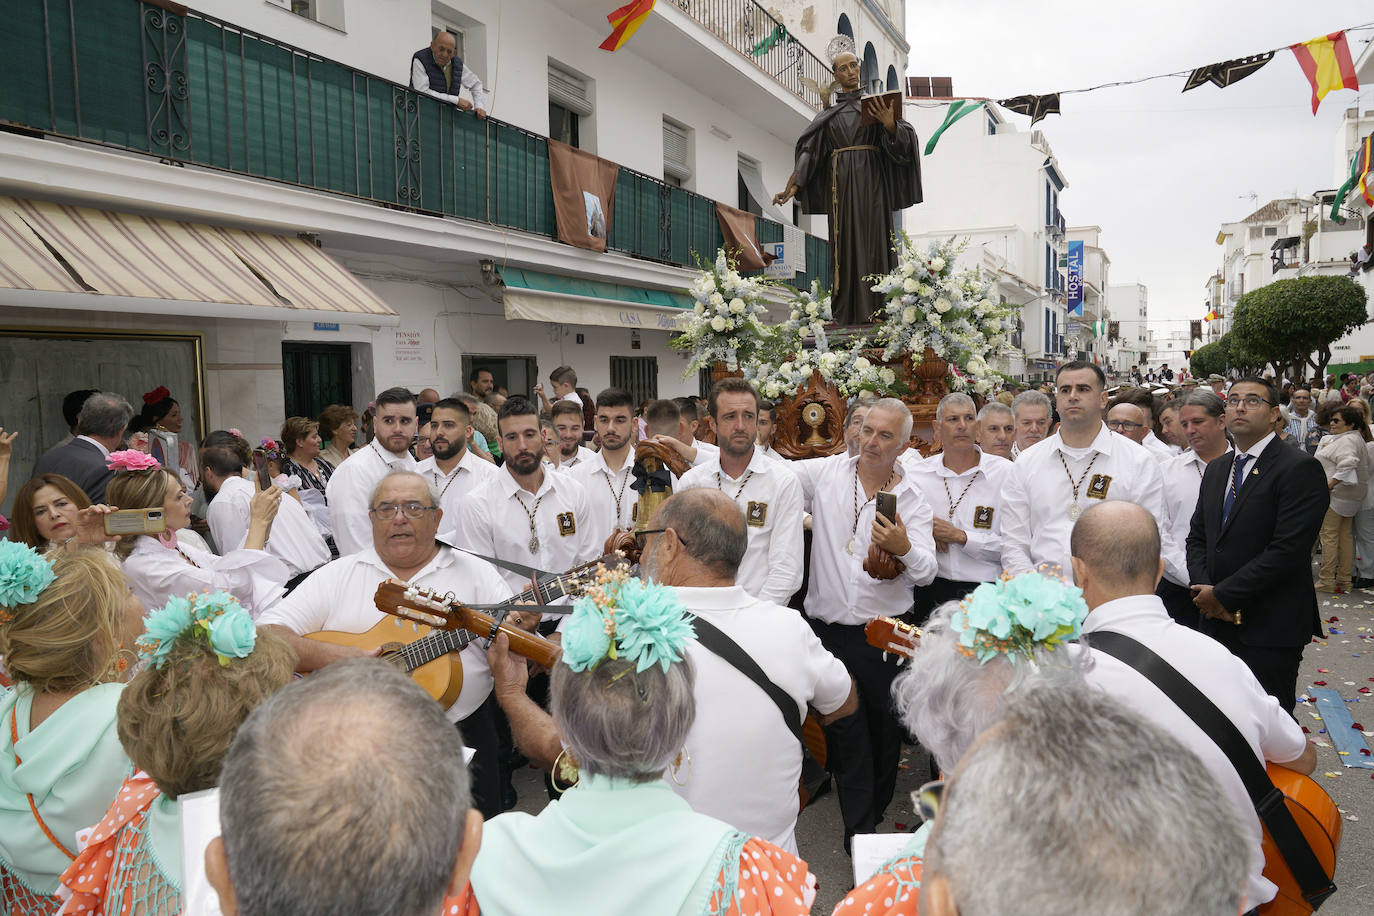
{"points": [[535, 648], [435, 645]]}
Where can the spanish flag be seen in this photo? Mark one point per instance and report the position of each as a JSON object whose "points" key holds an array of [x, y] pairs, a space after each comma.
{"points": [[631, 16], [1212, 315], [1327, 65]]}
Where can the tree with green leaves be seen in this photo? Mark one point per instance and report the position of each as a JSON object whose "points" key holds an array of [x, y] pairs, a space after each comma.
{"points": [[1294, 321], [1208, 359]]}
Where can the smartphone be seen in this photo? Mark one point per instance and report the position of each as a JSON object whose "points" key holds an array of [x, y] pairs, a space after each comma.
{"points": [[264, 474], [885, 504], [135, 521]]}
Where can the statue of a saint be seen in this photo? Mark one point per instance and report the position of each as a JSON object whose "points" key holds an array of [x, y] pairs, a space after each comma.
{"points": [[857, 174]]}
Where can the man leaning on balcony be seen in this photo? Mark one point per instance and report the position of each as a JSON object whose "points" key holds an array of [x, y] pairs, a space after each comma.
{"points": [[432, 72]]}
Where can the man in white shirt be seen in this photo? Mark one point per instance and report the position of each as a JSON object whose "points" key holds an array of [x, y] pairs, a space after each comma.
{"points": [[567, 429], [295, 539], [963, 486], [1031, 411], [432, 72], [527, 514], [607, 475], [405, 517], [766, 491], [1129, 420], [1301, 416], [351, 486], [1169, 431], [453, 470], [1145, 400], [768, 421], [841, 596], [1202, 420], [996, 429], [1084, 462], [1116, 562]]}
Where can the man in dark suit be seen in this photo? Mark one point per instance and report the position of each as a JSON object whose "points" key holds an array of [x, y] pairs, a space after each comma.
{"points": [[99, 430], [1250, 545]]}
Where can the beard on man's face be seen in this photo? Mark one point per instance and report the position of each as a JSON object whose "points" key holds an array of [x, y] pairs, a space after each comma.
{"points": [[444, 448], [524, 462]]}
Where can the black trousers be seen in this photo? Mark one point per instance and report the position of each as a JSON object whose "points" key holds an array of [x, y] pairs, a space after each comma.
{"points": [[1275, 667], [862, 750], [929, 597], [1178, 601], [479, 733]]}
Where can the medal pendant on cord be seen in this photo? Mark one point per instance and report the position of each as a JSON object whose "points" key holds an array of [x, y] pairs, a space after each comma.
{"points": [[1074, 512], [534, 543], [849, 548]]}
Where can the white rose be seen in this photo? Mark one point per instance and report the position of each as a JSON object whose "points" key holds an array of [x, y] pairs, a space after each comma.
{"points": [[785, 369], [861, 364], [737, 306], [812, 309], [717, 299], [908, 315], [943, 305], [718, 324], [889, 377], [909, 285], [937, 264], [699, 308], [924, 290], [734, 343], [908, 269]]}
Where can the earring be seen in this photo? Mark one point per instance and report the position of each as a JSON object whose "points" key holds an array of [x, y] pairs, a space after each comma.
{"points": [[564, 768], [677, 765]]}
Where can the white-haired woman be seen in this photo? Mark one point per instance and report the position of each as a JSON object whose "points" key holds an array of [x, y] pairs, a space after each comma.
{"points": [[621, 841], [960, 676]]}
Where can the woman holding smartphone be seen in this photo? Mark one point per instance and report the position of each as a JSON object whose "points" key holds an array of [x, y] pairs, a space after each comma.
{"points": [[160, 568]]}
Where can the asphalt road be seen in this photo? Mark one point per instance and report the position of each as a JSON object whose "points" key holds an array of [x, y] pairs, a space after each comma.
{"points": [[1344, 661]]}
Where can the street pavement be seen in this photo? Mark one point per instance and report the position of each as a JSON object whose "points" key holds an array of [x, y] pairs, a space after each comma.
{"points": [[1344, 661]]}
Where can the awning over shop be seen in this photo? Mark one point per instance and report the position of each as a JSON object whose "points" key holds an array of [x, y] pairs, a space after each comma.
{"points": [[533, 296], [65, 257], [1285, 243]]}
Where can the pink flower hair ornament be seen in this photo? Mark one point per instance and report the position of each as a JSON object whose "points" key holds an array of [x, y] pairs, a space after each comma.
{"points": [[131, 460]]}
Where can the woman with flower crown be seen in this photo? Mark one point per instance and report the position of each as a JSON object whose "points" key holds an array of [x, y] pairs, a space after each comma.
{"points": [[161, 420], [64, 620], [1006, 637], [208, 668], [621, 841], [159, 567]]}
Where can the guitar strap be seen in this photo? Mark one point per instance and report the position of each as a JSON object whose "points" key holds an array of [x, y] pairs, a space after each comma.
{"points": [[732, 653], [1269, 802]]}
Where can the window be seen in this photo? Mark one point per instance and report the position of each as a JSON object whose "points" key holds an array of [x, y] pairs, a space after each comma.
{"points": [[457, 34], [325, 12], [843, 27], [869, 74], [1271, 230], [676, 149], [750, 188], [892, 82], [637, 375], [569, 104]]}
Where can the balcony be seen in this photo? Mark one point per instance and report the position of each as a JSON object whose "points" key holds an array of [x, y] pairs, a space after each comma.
{"points": [[189, 89], [745, 26]]}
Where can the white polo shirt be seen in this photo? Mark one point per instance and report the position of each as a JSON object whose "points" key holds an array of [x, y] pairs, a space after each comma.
{"points": [[1223, 678], [350, 488], [736, 721], [972, 502], [1182, 480], [1039, 493], [583, 455], [610, 494], [839, 590], [339, 597], [453, 488], [499, 515], [769, 496], [1162, 450], [294, 538]]}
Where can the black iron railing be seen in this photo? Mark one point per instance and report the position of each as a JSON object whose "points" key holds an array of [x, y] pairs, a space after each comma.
{"points": [[189, 88], [759, 36]]}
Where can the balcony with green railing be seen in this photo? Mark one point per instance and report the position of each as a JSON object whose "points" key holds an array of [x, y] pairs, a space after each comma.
{"points": [[150, 77]]}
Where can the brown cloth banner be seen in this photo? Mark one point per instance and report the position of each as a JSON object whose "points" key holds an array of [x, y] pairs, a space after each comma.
{"points": [[741, 238], [583, 195]]}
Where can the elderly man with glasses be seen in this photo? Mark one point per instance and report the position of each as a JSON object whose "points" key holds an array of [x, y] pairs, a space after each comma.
{"points": [[338, 598]]}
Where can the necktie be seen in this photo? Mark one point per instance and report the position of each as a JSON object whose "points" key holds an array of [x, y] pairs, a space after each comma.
{"points": [[1237, 478]]}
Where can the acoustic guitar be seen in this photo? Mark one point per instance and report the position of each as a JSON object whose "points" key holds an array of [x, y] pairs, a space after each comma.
{"points": [[1315, 813]]}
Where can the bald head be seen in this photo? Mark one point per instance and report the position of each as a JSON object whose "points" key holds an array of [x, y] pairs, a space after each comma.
{"points": [[710, 526], [1118, 544]]}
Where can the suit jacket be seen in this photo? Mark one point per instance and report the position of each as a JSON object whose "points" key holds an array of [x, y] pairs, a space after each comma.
{"points": [[79, 461], [1260, 560]]}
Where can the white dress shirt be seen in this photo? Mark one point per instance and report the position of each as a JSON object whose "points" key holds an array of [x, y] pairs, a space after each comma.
{"points": [[736, 721], [1039, 492], [453, 488], [971, 501], [1182, 480], [771, 452], [294, 538], [705, 452], [419, 81], [104, 452], [611, 495], [1223, 678], [839, 590], [157, 573], [496, 523], [769, 496], [1162, 450], [583, 455], [340, 596], [350, 489]]}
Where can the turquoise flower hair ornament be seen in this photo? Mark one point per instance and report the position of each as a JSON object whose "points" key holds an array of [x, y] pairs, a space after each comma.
{"points": [[1016, 615], [624, 617], [24, 573], [215, 618]]}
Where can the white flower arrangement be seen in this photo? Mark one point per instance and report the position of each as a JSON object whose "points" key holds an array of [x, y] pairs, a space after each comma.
{"points": [[929, 304], [727, 323]]}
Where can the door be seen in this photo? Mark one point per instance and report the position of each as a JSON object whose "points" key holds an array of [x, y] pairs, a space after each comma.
{"points": [[637, 375], [316, 375], [517, 374]]}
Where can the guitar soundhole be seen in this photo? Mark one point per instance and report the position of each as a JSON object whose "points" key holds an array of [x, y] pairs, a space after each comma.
{"points": [[391, 651]]}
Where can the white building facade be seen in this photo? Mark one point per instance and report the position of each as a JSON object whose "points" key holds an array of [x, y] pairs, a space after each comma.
{"points": [[1131, 311]]}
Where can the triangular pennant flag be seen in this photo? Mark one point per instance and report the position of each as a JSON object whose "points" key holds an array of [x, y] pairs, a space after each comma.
{"points": [[626, 21], [778, 34], [1327, 65], [1037, 106], [956, 111], [1228, 71]]}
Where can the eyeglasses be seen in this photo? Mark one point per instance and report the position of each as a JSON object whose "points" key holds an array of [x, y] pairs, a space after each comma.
{"points": [[927, 799], [1123, 425], [1251, 401], [387, 511], [642, 536]]}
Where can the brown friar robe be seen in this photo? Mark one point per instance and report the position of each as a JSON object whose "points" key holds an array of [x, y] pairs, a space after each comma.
{"points": [[857, 175]]}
